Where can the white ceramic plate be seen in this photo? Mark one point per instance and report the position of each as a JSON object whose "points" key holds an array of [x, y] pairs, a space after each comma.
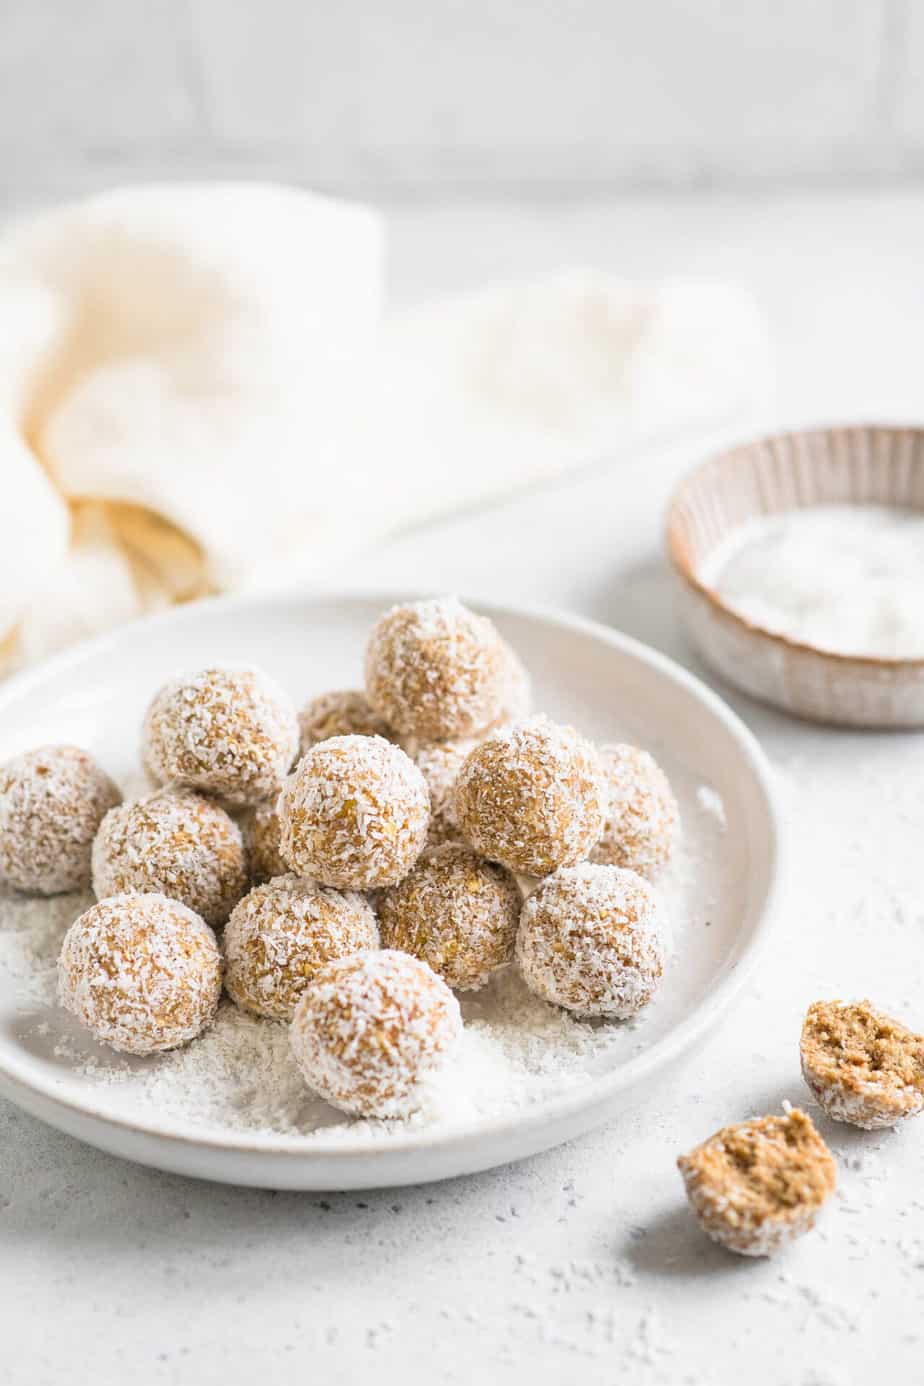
{"points": [[609, 685]]}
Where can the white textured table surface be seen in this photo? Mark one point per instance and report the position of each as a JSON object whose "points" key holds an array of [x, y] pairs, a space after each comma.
{"points": [[582, 1261]]}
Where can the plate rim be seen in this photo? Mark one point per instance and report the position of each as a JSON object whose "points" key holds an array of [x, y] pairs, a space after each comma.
{"points": [[591, 1096]]}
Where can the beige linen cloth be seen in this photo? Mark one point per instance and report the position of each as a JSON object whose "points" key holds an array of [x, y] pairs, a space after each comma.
{"points": [[200, 391]]}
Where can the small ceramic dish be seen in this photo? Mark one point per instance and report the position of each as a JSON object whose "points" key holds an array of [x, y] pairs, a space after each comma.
{"points": [[869, 465]]}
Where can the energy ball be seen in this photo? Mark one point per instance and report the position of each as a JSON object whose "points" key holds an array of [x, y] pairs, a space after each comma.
{"points": [[862, 1067], [532, 796], [590, 940], [142, 972], [436, 670], [261, 831], [370, 1028], [172, 843], [641, 823], [518, 691], [52, 801], [282, 934], [228, 732], [456, 912], [343, 713], [440, 762], [151, 772], [758, 1185], [354, 813]]}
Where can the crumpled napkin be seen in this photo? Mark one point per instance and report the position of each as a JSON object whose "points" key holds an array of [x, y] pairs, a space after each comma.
{"points": [[200, 391]]}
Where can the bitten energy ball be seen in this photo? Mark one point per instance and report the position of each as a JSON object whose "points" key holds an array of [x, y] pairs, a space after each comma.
{"points": [[261, 831], [436, 670], [141, 971], [354, 813], [456, 912], [758, 1185], [440, 762], [228, 732], [370, 1028], [175, 843], [862, 1067], [51, 803], [591, 940], [532, 796], [282, 934], [346, 712], [641, 822]]}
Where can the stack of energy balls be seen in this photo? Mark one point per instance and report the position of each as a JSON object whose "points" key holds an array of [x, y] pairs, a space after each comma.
{"points": [[365, 860]]}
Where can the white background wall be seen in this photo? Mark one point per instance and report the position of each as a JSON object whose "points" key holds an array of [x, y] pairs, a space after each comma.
{"points": [[485, 96]]}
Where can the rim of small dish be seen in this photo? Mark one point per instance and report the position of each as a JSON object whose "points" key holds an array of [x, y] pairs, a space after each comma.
{"points": [[596, 1089], [682, 562]]}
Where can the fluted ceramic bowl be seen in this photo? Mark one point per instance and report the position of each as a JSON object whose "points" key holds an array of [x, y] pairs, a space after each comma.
{"points": [[854, 465]]}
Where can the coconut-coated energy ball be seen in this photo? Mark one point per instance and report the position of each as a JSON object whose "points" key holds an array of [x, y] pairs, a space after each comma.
{"points": [[282, 934], [142, 972], [518, 691], [52, 801], [862, 1067], [436, 670], [532, 796], [641, 823], [370, 1028], [354, 813], [757, 1186], [455, 911], [228, 732], [591, 941], [345, 712], [261, 831], [440, 762], [175, 843]]}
